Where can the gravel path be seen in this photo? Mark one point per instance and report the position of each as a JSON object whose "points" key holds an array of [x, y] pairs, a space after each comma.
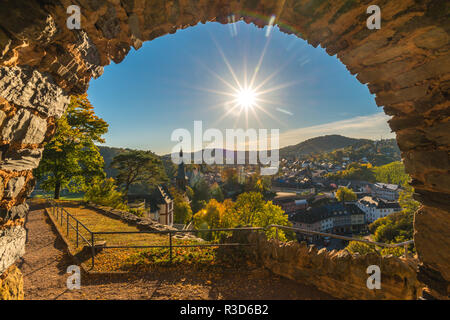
{"points": [[45, 263]]}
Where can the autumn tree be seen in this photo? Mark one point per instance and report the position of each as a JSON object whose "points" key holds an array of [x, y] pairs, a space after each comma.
{"points": [[253, 210], [345, 194], [71, 159], [138, 167], [216, 215]]}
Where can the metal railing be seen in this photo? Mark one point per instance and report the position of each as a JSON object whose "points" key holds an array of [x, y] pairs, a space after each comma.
{"points": [[61, 214], [404, 244]]}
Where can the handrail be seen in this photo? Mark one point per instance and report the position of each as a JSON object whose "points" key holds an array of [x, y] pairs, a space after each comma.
{"points": [[180, 231], [332, 235]]}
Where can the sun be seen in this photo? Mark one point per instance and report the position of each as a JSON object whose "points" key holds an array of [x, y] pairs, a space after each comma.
{"points": [[247, 94], [246, 98]]}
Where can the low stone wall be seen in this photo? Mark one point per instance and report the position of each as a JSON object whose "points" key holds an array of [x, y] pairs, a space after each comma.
{"points": [[140, 222], [339, 273]]}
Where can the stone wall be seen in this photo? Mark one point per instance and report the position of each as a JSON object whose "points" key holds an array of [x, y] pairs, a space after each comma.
{"points": [[339, 273], [11, 284], [141, 222], [406, 64]]}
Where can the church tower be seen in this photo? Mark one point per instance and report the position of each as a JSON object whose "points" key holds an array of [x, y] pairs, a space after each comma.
{"points": [[181, 176]]}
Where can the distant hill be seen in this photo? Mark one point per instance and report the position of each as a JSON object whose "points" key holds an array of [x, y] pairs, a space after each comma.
{"points": [[376, 152], [108, 154], [319, 145]]}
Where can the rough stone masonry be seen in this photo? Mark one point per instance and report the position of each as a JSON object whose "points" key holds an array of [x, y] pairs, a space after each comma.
{"points": [[406, 64]]}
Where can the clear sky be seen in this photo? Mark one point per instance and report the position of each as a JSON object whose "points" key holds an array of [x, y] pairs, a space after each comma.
{"points": [[176, 79]]}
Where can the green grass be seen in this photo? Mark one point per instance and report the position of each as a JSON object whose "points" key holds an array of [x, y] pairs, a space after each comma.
{"points": [[72, 196]]}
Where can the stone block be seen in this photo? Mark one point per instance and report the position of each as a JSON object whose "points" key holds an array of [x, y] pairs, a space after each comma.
{"points": [[19, 160], [16, 212], [29, 88], [12, 246], [24, 127], [14, 187]]}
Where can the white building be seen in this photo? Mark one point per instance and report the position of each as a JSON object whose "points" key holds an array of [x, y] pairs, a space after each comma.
{"points": [[385, 191], [161, 206], [375, 208]]}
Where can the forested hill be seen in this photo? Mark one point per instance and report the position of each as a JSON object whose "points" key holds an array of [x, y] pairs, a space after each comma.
{"points": [[108, 154], [328, 148], [320, 144]]}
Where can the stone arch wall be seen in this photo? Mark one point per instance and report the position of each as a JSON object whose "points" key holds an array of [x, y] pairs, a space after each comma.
{"points": [[406, 64]]}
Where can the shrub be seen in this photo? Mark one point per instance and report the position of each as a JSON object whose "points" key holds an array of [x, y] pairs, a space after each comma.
{"points": [[104, 192]]}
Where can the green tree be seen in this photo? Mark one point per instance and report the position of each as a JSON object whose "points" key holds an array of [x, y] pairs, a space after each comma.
{"points": [[71, 159], [181, 209], [104, 192], [355, 171], [345, 194], [216, 192], [202, 195], [360, 247], [393, 172], [407, 201], [253, 210], [136, 167]]}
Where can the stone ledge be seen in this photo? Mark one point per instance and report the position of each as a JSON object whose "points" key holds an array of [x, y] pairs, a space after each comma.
{"points": [[339, 273], [12, 246], [141, 223]]}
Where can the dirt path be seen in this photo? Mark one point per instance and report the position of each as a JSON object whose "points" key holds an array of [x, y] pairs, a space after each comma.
{"points": [[46, 260]]}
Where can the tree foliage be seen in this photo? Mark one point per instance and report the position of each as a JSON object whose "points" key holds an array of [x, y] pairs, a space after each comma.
{"points": [[138, 167], [181, 209], [71, 159], [345, 194], [216, 192], [392, 173], [355, 171], [104, 192], [250, 209], [360, 247], [201, 195]]}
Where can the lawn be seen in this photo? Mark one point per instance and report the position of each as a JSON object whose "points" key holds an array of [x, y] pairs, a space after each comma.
{"points": [[130, 259], [71, 196]]}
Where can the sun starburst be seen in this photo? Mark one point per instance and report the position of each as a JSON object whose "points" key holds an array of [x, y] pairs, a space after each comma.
{"points": [[248, 94]]}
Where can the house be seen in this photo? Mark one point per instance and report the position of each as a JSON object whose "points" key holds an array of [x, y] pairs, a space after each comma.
{"points": [[375, 208], [290, 204], [385, 191], [161, 206], [332, 218]]}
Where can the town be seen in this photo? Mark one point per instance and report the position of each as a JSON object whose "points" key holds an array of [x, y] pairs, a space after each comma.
{"points": [[337, 192]]}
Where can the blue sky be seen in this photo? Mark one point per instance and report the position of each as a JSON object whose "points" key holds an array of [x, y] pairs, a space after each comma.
{"points": [[176, 79]]}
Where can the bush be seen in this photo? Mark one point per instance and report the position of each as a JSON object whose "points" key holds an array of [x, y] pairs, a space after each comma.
{"points": [[361, 248], [104, 192]]}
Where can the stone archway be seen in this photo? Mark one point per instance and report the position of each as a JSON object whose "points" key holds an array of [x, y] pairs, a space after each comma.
{"points": [[406, 64]]}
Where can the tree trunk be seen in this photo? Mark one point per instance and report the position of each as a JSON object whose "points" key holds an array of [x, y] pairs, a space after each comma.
{"points": [[57, 189]]}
